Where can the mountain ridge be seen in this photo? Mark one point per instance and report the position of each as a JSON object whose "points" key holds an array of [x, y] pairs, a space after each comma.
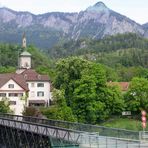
{"points": [[95, 22]]}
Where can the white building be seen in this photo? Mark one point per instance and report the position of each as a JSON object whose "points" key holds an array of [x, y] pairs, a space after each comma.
{"points": [[25, 87]]}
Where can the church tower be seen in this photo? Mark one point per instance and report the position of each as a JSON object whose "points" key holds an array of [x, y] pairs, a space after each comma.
{"points": [[24, 41], [25, 56], [25, 60]]}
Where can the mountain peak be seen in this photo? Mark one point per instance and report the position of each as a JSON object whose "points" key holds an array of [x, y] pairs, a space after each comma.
{"points": [[99, 6], [5, 9]]}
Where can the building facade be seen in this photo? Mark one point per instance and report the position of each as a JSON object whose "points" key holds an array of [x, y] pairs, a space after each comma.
{"points": [[25, 87]]}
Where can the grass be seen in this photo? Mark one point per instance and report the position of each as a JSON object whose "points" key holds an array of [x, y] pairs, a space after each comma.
{"points": [[124, 123]]}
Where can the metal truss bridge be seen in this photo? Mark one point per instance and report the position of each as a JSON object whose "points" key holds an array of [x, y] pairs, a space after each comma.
{"points": [[29, 132]]}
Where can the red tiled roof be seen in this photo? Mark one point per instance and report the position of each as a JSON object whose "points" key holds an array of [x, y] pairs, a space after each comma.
{"points": [[4, 78], [32, 75], [21, 79], [123, 85]]}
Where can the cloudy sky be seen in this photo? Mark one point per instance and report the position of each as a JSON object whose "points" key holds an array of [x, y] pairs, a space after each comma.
{"points": [[134, 9]]}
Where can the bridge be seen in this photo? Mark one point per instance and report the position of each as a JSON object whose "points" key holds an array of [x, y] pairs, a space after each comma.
{"points": [[29, 132]]}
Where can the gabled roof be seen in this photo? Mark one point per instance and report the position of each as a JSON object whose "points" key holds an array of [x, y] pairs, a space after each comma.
{"points": [[21, 79], [4, 78], [123, 85], [32, 75]]}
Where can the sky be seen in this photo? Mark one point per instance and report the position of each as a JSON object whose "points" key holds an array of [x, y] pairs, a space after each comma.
{"points": [[134, 9]]}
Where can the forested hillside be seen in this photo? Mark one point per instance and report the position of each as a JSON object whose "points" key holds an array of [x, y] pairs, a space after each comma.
{"points": [[123, 56], [79, 80], [9, 54], [126, 49]]}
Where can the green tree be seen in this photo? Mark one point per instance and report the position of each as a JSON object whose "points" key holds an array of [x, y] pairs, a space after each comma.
{"points": [[31, 111], [4, 106], [137, 96], [84, 103], [60, 110], [85, 90], [113, 100], [111, 74], [7, 69]]}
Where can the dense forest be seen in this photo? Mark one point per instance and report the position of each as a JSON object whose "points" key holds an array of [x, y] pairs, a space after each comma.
{"points": [[123, 56], [79, 72], [127, 49]]}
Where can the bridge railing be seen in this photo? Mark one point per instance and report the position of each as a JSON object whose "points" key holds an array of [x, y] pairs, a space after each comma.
{"points": [[103, 131], [57, 136]]}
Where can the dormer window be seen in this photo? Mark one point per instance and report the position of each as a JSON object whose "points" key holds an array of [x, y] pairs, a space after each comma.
{"points": [[25, 76], [11, 86], [39, 76]]}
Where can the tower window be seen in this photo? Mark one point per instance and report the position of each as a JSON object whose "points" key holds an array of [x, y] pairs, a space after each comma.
{"points": [[26, 64]]}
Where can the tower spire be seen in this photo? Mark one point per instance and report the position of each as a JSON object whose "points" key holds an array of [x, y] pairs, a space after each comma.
{"points": [[24, 40]]}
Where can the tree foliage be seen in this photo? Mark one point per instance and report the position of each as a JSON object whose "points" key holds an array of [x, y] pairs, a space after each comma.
{"points": [[60, 110], [137, 96], [4, 106], [9, 55], [127, 49], [7, 69], [31, 111], [85, 90]]}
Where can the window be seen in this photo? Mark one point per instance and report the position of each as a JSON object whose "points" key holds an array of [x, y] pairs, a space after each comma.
{"points": [[15, 94], [39, 76], [40, 84], [2, 94], [11, 86], [12, 102], [40, 93], [26, 64], [32, 84], [32, 94], [20, 94]]}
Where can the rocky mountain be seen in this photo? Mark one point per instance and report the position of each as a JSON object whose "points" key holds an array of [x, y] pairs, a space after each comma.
{"points": [[145, 26], [47, 29]]}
